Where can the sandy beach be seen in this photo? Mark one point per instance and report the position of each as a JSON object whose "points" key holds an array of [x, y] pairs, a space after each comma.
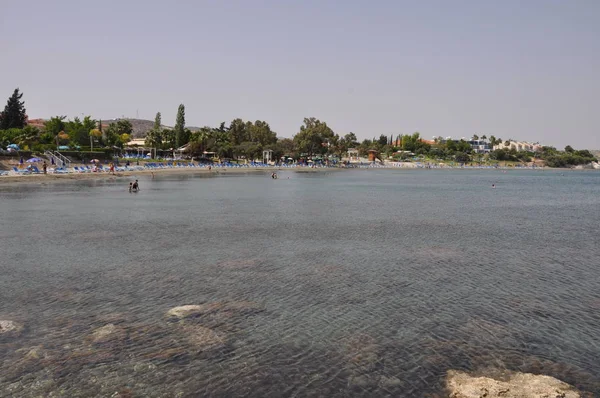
{"points": [[69, 177]]}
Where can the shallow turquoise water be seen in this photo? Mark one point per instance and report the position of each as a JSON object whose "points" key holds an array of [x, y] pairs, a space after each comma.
{"points": [[369, 282]]}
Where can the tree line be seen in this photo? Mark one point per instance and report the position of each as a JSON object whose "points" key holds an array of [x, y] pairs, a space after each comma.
{"points": [[241, 139]]}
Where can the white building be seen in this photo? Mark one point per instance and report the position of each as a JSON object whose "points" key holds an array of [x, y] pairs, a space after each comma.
{"points": [[519, 146], [480, 146]]}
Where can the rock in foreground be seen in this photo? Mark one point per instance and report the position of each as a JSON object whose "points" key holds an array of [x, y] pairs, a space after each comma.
{"points": [[185, 311], [10, 327], [108, 333], [195, 310], [517, 385]]}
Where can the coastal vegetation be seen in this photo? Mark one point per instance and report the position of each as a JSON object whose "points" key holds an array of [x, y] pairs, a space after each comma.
{"points": [[240, 139]]}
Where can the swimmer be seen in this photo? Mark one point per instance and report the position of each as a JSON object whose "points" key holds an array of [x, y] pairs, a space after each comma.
{"points": [[493, 185]]}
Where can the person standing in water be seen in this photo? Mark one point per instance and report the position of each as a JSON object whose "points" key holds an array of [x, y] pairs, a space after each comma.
{"points": [[136, 186], [130, 186]]}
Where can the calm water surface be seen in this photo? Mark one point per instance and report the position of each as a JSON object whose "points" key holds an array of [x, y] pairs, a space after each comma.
{"points": [[352, 283]]}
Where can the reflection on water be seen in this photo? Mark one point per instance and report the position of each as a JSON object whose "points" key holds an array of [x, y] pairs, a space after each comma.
{"points": [[355, 283]]}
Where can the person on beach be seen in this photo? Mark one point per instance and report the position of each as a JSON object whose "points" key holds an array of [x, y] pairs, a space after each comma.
{"points": [[136, 186], [130, 186], [112, 168], [45, 167]]}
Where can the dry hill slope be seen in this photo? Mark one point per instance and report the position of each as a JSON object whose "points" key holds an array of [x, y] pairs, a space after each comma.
{"points": [[141, 126]]}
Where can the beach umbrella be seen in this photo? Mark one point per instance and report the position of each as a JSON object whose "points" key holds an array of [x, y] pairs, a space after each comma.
{"points": [[34, 160], [95, 161]]}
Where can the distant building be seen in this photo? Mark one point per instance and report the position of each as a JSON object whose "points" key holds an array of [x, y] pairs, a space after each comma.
{"points": [[353, 154], [39, 123], [520, 146], [137, 142], [398, 142], [480, 146]]}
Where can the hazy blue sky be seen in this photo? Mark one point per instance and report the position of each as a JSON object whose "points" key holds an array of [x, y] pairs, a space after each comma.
{"points": [[524, 69]]}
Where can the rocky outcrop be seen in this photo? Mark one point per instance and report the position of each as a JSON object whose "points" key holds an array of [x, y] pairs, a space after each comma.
{"points": [[512, 385], [187, 311], [10, 327]]}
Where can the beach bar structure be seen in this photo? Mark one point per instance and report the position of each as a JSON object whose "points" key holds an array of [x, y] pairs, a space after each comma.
{"points": [[267, 154], [353, 154], [373, 155]]}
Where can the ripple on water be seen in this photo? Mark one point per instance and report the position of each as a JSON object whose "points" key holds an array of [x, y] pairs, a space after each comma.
{"points": [[352, 284]]}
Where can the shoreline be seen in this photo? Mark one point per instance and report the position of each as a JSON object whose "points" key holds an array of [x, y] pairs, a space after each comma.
{"points": [[70, 177]]}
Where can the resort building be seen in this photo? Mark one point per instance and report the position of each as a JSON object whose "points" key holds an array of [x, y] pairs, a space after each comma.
{"points": [[520, 146], [480, 146]]}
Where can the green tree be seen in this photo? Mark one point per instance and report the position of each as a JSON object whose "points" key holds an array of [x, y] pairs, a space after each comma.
{"points": [[569, 149], [13, 115], [168, 138], [157, 122], [154, 137], [54, 126], [200, 137], [115, 130], [95, 134], [475, 137], [79, 130], [285, 147], [383, 140], [313, 137], [28, 136], [350, 139], [179, 126], [261, 132], [239, 131], [124, 138]]}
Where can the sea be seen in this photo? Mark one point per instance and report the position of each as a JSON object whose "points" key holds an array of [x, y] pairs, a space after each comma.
{"points": [[341, 283]]}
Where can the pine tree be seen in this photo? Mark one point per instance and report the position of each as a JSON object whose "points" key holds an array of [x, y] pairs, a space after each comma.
{"points": [[179, 125], [157, 122], [14, 113]]}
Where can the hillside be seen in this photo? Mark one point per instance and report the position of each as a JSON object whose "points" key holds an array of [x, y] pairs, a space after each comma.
{"points": [[141, 126]]}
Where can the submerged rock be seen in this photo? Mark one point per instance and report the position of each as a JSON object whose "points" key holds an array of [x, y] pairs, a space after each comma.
{"points": [[108, 333], [10, 327], [516, 385], [186, 311], [202, 337]]}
